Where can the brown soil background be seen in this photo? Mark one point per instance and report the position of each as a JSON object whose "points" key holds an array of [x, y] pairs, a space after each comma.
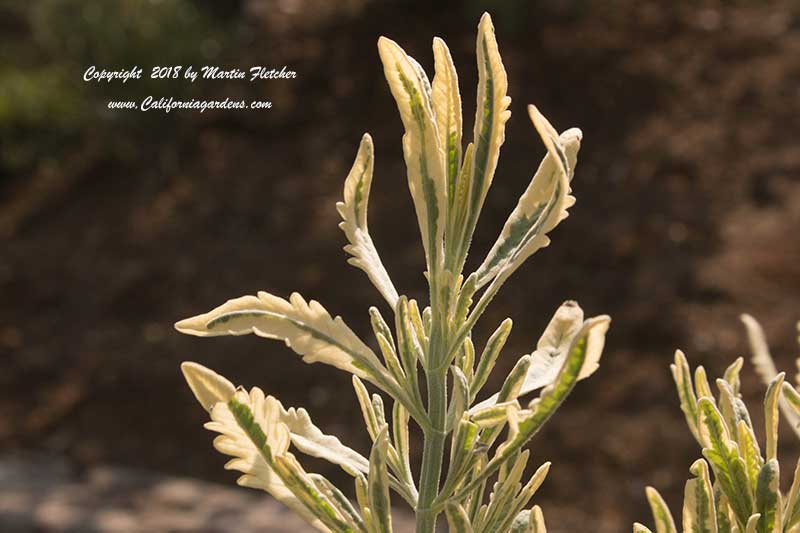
{"points": [[115, 225]]}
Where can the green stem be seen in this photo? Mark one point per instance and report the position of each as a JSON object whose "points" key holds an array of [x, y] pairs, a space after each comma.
{"points": [[433, 452]]}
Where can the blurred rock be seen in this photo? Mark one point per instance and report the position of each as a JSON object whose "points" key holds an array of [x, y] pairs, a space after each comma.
{"points": [[45, 495]]}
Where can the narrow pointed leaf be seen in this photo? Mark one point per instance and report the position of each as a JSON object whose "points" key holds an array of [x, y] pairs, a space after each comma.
{"points": [[408, 344], [340, 501], [464, 300], [663, 518], [379, 502], [537, 520], [489, 133], [460, 397], [466, 361], [701, 384], [489, 356], [457, 518], [526, 493], [461, 452], [771, 417], [379, 325], [500, 509], [759, 350], [750, 452], [370, 420], [792, 513], [400, 421], [303, 486], [765, 366], [683, 381], [732, 374]]}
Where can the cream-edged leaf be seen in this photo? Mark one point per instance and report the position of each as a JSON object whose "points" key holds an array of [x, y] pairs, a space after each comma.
{"points": [[791, 518], [489, 356], [752, 523], [457, 518], [699, 512], [701, 383], [489, 134], [208, 387], [341, 503], [247, 455], [302, 484], [211, 388], [310, 440], [306, 327], [682, 375], [664, 521], [553, 348], [446, 102], [424, 157], [749, 451], [537, 524], [501, 510], [771, 417], [759, 350], [379, 502], [730, 470], [539, 411], [768, 499], [765, 366], [540, 208], [353, 211]]}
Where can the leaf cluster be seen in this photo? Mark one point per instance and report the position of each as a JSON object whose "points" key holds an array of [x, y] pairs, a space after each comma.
{"points": [[427, 364], [743, 495]]}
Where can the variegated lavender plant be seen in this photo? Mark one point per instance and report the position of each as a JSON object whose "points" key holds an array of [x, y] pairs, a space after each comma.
{"points": [[486, 439], [744, 495]]}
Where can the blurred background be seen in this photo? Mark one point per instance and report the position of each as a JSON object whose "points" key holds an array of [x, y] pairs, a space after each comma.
{"points": [[113, 225]]}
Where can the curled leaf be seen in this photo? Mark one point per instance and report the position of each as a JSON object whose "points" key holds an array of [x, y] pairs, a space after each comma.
{"points": [[553, 347], [353, 211], [540, 208]]}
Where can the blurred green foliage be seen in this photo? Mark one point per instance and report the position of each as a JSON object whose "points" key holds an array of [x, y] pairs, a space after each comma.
{"points": [[46, 46]]}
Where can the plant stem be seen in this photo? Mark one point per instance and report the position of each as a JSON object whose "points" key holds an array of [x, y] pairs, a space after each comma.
{"points": [[433, 452]]}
